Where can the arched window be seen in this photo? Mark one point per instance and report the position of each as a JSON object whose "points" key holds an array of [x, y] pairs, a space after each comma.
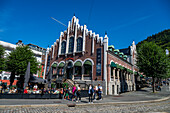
{"points": [[88, 67], [71, 45], [5, 78], [63, 47], [79, 44], [78, 68]]}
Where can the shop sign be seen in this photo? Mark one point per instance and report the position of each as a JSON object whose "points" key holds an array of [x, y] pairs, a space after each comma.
{"points": [[98, 62]]}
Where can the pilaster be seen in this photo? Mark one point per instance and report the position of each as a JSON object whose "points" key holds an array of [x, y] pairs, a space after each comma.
{"points": [[84, 38], [60, 40], [75, 37], [113, 74], [46, 55], [118, 75], [67, 42]]}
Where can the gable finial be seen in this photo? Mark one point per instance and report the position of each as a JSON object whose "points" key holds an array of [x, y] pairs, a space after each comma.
{"points": [[105, 32]]}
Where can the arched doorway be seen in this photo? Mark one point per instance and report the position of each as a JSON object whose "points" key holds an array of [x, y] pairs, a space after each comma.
{"points": [[69, 70]]}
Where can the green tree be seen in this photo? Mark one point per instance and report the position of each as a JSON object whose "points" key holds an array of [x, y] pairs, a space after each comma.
{"points": [[152, 61], [162, 39], [17, 62], [2, 59]]}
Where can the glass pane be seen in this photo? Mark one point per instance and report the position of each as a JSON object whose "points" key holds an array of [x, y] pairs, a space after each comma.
{"points": [[71, 44]]}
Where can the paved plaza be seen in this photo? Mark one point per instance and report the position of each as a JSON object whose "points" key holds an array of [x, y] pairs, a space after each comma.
{"points": [[139, 101]]}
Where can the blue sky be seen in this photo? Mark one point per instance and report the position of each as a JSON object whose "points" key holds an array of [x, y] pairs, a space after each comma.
{"points": [[123, 20]]}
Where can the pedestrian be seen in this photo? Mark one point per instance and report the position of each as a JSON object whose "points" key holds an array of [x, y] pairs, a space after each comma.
{"points": [[61, 93], [35, 87], [26, 90], [67, 94], [73, 92], [79, 93], [0, 88], [70, 93], [95, 92], [64, 91], [100, 92], [91, 91]]}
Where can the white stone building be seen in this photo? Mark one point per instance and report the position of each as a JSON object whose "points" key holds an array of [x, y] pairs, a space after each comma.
{"points": [[38, 53]]}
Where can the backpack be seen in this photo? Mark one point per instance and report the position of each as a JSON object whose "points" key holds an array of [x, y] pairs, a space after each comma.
{"points": [[91, 91], [99, 89]]}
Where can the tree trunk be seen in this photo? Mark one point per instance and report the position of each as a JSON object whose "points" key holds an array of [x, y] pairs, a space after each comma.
{"points": [[153, 84], [12, 77]]}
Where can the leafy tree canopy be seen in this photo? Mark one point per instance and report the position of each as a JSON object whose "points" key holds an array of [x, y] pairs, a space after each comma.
{"points": [[162, 39], [152, 60], [2, 60], [18, 59]]}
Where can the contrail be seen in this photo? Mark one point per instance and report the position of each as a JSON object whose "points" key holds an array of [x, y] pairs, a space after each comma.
{"points": [[58, 21], [130, 23]]}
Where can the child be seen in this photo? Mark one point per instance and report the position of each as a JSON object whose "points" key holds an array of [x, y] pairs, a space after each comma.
{"points": [[67, 94]]}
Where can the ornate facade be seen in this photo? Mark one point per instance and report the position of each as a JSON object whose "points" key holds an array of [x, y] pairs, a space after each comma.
{"points": [[83, 57]]}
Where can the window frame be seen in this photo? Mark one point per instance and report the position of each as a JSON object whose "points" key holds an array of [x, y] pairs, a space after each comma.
{"points": [[79, 44], [63, 49], [71, 45]]}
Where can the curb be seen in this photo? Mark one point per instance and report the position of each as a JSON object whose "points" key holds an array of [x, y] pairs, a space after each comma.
{"points": [[132, 102], [86, 104]]}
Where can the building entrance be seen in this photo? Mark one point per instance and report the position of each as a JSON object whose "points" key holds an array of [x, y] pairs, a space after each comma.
{"points": [[69, 71]]}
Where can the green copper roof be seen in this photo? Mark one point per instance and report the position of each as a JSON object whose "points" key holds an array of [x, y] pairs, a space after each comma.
{"points": [[121, 53], [130, 71], [78, 63], [88, 62], [125, 56], [54, 65], [113, 64], [116, 50], [120, 67], [61, 64], [111, 46]]}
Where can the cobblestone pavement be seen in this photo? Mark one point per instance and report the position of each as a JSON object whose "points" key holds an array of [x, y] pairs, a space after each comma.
{"points": [[163, 106], [142, 95], [60, 106]]}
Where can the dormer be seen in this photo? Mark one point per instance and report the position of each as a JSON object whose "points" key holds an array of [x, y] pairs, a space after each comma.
{"points": [[111, 48], [116, 51], [121, 54]]}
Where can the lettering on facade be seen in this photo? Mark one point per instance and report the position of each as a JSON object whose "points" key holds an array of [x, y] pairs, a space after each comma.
{"points": [[98, 62]]}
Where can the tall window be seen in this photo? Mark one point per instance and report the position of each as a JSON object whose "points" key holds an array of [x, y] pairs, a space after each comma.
{"points": [[78, 70], [79, 44], [71, 45], [63, 47], [87, 69]]}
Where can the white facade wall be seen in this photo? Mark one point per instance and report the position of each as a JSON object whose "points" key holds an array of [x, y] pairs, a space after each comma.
{"points": [[8, 48]]}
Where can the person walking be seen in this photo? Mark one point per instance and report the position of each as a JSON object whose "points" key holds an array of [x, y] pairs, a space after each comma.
{"points": [[64, 92], [95, 92], [73, 92], [100, 91], [67, 94], [79, 93], [91, 91]]}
